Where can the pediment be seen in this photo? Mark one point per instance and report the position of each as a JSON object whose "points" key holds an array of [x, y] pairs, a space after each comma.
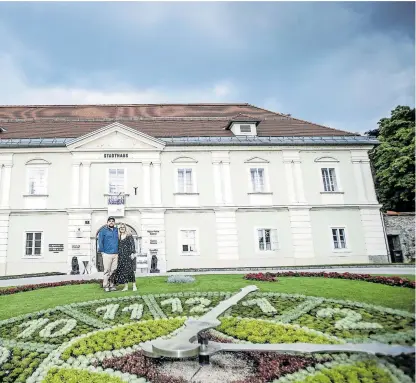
{"points": [[326, 159], [256, 160], [181, 160], [116, 137], [37, 161]]}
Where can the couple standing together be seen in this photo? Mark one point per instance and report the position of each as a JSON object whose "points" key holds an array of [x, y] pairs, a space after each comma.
{"points": [[119, 256]]}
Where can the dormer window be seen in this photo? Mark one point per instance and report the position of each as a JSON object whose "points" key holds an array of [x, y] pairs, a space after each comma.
{"points": [[243, 125], [244, 129]]}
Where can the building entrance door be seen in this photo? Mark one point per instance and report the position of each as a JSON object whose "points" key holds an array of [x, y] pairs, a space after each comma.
{"points": [[99, 257], [395, 248]]}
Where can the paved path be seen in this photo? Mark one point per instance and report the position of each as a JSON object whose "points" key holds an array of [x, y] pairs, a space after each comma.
{"points": [[354, 270]]}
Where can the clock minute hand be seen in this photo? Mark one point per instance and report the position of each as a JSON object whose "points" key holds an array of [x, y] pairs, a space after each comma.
{"points": [[181, 345]]}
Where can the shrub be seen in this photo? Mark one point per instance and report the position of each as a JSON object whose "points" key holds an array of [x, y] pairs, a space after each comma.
{"points": [[181, 279], [122, 337], [69, 375]]}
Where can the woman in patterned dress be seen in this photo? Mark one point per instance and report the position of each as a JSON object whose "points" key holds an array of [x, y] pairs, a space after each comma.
{"points": [[126, 259]]}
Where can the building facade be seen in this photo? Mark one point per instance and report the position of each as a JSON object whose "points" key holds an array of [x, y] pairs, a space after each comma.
{"points": [[200, 186]]}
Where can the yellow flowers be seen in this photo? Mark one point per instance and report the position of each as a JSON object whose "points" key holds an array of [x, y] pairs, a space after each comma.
{"points": [[256, 331]]}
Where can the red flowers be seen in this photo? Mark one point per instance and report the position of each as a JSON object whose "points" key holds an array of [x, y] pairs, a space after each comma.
{"points": [[268, 277], [391, 281], [18, 289]]}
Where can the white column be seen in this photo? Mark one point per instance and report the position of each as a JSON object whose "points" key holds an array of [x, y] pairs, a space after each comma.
{"points": [[302, 239], [6, 171], [156, 185], [85, 196], [300, 191], [4, 234], [363, 177], [222, 177], [226, 178], [290, 182], [373, 231], [359, 181], [75, 184], [217, 183], [146, 182], [227, 234], [368, 182], [294, 178]]}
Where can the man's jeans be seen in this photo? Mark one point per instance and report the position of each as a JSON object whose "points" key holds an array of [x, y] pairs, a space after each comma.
{"points": [[110, 262]]}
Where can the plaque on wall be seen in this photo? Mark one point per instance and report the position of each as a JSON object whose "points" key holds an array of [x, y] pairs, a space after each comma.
{"points": [[56, 247]]}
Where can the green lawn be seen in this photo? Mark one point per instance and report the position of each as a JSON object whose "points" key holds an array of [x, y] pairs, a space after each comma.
{"points": [[388, 296]]}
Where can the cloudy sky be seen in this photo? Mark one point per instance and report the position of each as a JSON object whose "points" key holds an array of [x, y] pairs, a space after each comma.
{"points": [[337, 63]]}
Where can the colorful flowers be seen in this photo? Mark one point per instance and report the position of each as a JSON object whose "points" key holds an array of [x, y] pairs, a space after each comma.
{"points": [[390, 281], [19, 289]]}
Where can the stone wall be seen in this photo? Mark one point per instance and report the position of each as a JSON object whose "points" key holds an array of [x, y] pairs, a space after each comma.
{"points": [[403, 225]]}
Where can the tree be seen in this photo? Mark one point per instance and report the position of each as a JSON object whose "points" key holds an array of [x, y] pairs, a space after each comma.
{"points": [[393, 160]]}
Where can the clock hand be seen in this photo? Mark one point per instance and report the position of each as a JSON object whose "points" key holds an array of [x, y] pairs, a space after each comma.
{"points": [[181, 345], [369, 348]]}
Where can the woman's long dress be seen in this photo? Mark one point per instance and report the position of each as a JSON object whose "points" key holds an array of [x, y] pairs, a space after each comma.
{"points": [[126, 266]]}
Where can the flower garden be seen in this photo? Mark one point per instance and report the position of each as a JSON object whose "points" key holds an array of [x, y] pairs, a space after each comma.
{"points": [[99, 340]]}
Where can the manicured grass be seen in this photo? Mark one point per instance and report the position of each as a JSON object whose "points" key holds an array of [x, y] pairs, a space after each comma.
{"points": [[377, 294]]}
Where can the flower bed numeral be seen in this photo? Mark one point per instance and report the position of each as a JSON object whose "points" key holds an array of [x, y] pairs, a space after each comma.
{"points": [[176, 304], [201, 304], [351, 321], [263, 304], [136, 311], [109, 311], [47, 332], [31, 327]]}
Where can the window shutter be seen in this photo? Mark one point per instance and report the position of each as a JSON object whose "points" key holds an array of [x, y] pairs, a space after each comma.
{"points": [[273, 234]]}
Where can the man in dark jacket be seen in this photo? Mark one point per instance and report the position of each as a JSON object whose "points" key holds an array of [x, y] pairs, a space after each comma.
{"points": [[108, 246]]}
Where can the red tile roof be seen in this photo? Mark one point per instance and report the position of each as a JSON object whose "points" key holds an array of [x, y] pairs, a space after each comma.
{"points": [[161, 120]]}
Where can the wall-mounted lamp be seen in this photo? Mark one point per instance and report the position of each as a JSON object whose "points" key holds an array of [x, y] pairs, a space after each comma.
{"points": [[79, 233]]}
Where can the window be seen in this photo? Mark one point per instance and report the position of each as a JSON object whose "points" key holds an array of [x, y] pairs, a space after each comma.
{"points": [[267, 239], [116, 186], [338, 238], [257, 179], [185, 181], [37, 178], [33, 244], [188, 241], [329, 179], [245, 128]]}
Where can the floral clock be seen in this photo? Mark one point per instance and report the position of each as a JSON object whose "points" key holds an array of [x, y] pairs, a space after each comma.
{"points": [[99, 341]]}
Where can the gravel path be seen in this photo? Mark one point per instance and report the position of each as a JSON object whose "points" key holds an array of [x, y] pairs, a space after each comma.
{"points": [[224, 368]]}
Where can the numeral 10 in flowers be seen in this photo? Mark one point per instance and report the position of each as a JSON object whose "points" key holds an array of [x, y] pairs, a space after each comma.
{"points": [[46, 329]]}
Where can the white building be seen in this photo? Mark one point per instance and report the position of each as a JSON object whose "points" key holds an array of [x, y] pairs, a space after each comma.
{"points": [[200, 185]]}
